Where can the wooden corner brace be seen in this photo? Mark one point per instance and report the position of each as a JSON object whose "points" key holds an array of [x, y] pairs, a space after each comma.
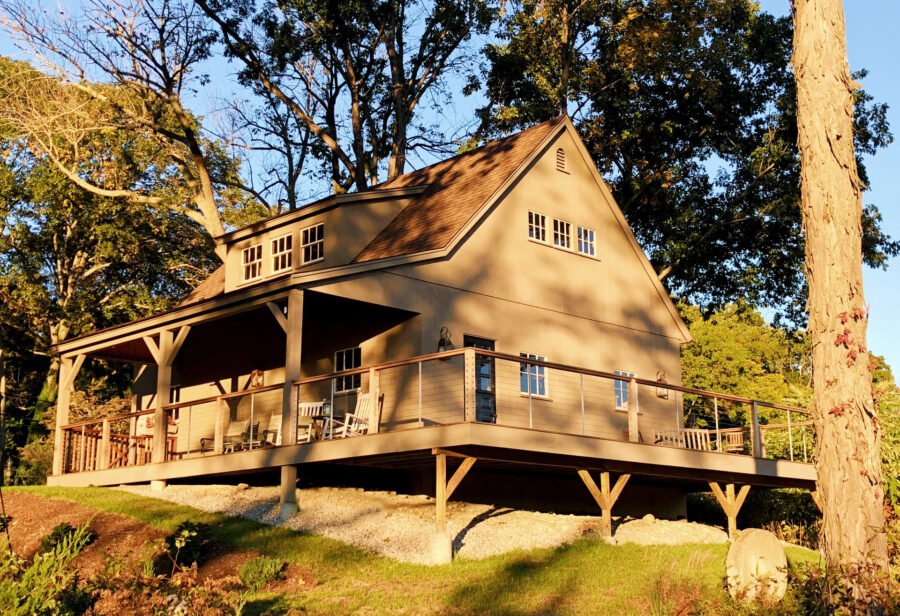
{"points": [[604, 496]]}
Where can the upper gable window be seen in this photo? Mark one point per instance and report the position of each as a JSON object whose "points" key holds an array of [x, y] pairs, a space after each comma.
{"points": [[537, 226], [251, 259], [282, 257], [562, 234], [561, 160], [312, 242], [586, 242]]}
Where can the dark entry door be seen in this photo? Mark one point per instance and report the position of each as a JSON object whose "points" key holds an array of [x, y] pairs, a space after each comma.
{"points": [[485, 382]]}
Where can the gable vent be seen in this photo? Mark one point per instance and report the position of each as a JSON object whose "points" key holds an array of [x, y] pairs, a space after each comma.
{"points": [[561, 160]]}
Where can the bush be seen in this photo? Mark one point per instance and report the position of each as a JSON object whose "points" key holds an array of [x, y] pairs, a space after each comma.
{"points": [[190, 543], [48, 585], [35, 462], [258, 572]]}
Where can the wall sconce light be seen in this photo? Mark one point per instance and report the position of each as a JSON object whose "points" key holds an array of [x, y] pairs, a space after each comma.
{"points": [[444, 343], [662, 392]]}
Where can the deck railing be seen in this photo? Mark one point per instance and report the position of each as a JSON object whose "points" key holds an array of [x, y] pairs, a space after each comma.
{"points": [[462, 385]]}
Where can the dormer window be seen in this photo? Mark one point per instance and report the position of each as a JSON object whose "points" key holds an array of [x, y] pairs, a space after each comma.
{"points": [[282, 257], [251, 259], [312, 243], [561, 160]]}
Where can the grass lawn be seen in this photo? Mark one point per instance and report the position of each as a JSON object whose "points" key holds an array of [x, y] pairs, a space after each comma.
{"points": [[586, 577]]}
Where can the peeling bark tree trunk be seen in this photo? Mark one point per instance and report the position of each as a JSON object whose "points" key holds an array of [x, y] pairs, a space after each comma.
{"points": [[848, 459]]}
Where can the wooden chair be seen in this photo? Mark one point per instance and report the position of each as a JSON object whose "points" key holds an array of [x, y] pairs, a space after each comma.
{"points": [[733, 441], [669, 438], [355, 423], [307, 413]]}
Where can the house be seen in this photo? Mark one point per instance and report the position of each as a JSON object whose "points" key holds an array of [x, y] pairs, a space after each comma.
{"points": [[491, 308]]}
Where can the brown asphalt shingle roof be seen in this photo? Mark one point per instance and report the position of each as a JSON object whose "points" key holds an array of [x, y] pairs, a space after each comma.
{"points": [[457, 188], [212, 286]]}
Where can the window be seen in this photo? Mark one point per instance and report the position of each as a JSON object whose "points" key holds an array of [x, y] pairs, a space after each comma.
{"points": [[561, 160], [251, 258], [622, 389], [537, 226], [312, 241], [562, 234], [586, 242], [532, 378], [347, 359], [281, 253]]}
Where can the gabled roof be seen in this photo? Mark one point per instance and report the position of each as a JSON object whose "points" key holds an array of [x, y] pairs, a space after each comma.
{"points": [[457, 189], [213, 285]]}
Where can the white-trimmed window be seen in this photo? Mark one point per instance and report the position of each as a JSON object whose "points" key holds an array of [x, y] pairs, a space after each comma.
{"points": [[347, 359], [537, 226], [586, 242], [533, 378], [282, 253], [562, 234], [312, 243], [251, 259], [622, 389]]}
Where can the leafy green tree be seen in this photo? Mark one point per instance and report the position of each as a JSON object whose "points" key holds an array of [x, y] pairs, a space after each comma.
{"points": [[688, 109]]}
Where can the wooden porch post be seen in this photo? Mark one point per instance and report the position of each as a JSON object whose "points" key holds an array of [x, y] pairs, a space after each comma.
{"points": [[164, 354], [68, 370], [634, 434], [469, 384], [103, 462], [290, 397], [730, 503], [756, 433], [604, 496]]}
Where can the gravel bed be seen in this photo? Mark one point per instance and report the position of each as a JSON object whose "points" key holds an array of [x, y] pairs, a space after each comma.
{"points": [[650, 531], [402, 526]]}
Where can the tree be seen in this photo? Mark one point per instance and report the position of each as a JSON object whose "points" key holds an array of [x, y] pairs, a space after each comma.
{"points": [[126, 65], [354, 73], [687, 107], [848, 460]]}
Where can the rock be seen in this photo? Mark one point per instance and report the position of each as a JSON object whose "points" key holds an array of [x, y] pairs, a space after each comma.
{"points": [[756, 566], [649, 518], [241, 487]]}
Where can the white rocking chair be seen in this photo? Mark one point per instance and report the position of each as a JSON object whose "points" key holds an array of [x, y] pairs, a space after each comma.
{"points": [[355, 423]]}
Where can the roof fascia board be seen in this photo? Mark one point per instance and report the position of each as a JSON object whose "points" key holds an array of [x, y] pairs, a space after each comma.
{"points": [[620, 218], [324, 205]]}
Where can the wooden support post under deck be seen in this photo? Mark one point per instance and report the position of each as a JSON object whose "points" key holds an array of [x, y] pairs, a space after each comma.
{"points": [[604, 496], [68, 370], [730, 503], [290, 397], [816, 499], [444, 489]]}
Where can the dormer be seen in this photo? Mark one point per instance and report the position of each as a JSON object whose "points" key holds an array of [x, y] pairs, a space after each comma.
{"points": [[324, 234]]}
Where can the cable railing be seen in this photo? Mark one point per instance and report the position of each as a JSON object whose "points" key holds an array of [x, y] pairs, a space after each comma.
{"points": [[461, 385]]}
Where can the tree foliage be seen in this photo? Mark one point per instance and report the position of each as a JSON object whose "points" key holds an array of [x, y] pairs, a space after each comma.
{"points": [[687, 107]]}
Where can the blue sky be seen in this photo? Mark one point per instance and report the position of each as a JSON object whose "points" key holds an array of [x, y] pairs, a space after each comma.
{"points": [[872, 44]]}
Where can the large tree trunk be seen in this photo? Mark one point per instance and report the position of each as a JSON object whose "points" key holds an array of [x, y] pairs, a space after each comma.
{"points": [[848, 458]]}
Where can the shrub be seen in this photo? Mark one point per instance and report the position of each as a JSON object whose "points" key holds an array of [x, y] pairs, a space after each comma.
{"points": [[35, 462], [48, 585], [190, 543], [258, 572]]}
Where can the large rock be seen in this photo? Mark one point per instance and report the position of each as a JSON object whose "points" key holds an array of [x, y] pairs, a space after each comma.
{"points": [[756, 567]]}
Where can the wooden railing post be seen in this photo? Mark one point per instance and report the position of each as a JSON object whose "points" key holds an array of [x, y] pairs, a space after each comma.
{"points": [[469, 384], [219, 434], [634, 434], [103, 462], [375, 395], [756, 435]]}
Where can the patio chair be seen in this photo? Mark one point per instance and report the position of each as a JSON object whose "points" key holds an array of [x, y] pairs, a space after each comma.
{"points": [[307, 413], [234, 438], [734, 441], [353, 424], [696, 438]]}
